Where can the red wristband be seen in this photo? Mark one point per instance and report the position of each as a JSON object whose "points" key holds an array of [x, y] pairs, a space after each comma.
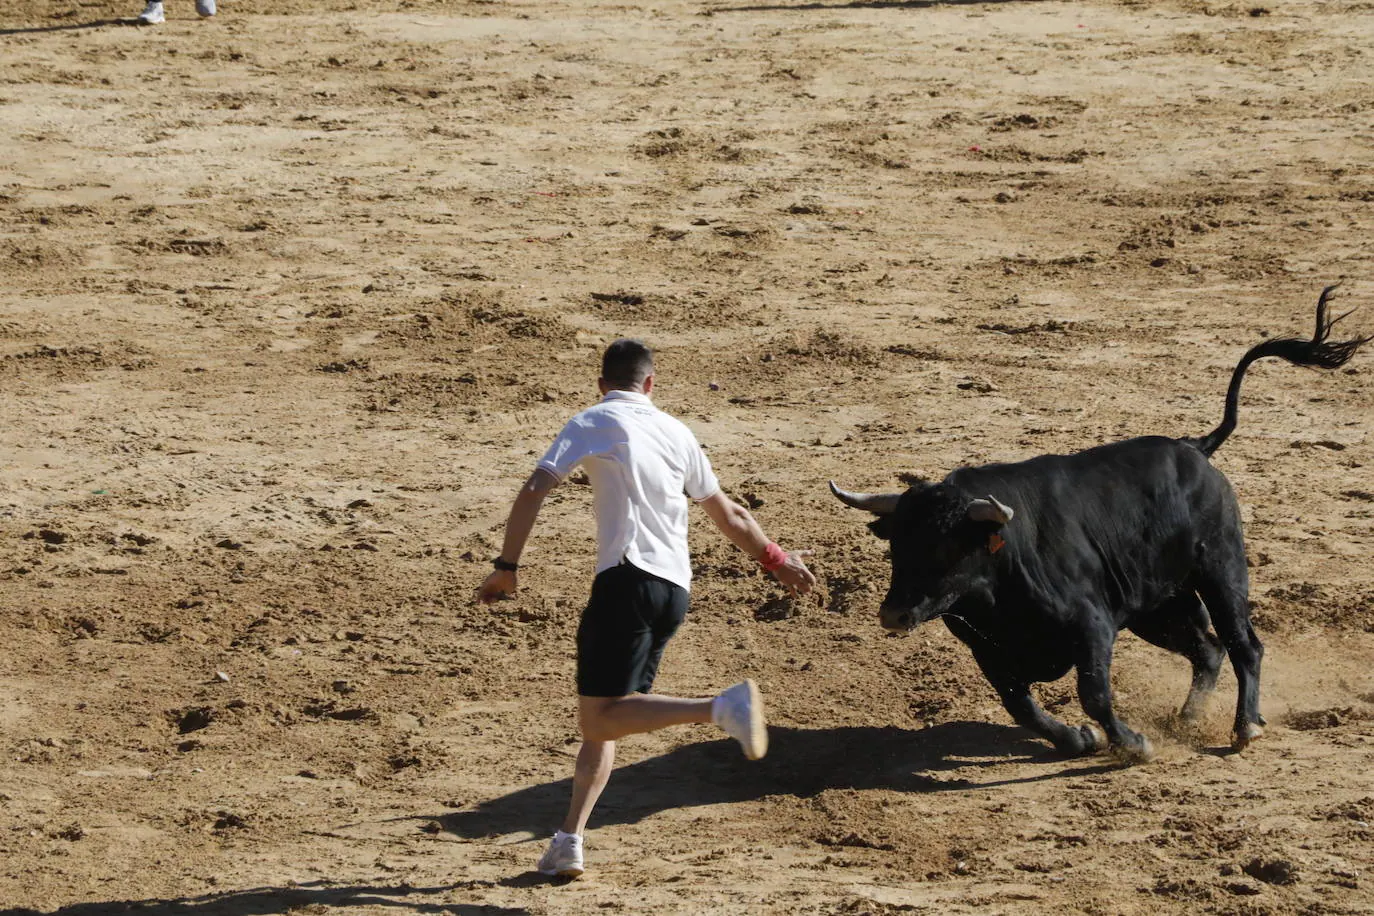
{"points": [[774, 557]]}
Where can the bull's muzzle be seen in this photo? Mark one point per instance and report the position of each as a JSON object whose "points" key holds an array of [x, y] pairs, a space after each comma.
{"points": [[897, 618], [898, 615]]}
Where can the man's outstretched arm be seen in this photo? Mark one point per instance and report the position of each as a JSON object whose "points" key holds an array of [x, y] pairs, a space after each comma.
{"points": [[502, 582], [738, 524]]}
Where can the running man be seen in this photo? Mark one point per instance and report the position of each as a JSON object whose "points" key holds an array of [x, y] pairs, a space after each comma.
{"points": [[644, 465]]}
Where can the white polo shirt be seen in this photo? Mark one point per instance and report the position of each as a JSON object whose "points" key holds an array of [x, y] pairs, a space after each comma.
{"points": [[643, 465]]}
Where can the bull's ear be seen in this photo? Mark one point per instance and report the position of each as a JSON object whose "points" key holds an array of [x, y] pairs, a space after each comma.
{"points": [[988, 509], [882, 527]]}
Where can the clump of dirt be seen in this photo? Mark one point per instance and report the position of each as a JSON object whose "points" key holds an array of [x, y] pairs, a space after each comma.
{"points": [[519, 323], [1015, 153], [25, 256], [1314, 719], [1023, 121], [199, 248], [670, 143], [1272, 871], [76, 359], [822, 345], [672, 311], [441, 393]]}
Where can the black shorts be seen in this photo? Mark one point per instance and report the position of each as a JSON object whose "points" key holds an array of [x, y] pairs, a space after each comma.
{"points": [[630, 618]]}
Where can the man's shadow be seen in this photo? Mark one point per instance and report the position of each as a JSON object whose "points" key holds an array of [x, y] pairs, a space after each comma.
{"points": [[280, 900], [69, 27], [800, 762]]}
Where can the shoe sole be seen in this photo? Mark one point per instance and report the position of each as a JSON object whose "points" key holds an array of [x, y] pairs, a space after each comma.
{"points": [[562, 873], [757, 745]]}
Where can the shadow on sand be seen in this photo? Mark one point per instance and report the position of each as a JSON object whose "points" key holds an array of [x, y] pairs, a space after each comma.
{"points": [[305, 898], [800, 762], [70, 27]]}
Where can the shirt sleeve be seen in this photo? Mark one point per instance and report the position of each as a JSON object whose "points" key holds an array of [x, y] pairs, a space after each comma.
{"points": [[700, 481], [565, 453]]}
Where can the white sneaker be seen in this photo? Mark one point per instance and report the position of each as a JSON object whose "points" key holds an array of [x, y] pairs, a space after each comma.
{"points": [[563, 858], [206, 8], [738, 710], [152, 13]]}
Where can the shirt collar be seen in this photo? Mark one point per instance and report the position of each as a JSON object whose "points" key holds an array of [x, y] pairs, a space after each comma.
{"points": [[617, 394]]}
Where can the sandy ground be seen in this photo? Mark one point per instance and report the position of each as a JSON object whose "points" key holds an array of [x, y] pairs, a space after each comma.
{"points": [[291, 299]]}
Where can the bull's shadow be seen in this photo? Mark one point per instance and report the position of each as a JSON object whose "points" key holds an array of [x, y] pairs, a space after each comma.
{"points": [[800, 762]]}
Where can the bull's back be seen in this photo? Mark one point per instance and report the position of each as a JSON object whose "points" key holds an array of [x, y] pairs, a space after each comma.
{"points": [[1121, 524]]}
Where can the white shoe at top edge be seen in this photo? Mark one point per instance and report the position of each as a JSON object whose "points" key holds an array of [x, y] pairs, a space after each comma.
{"points": [[153, 13]]}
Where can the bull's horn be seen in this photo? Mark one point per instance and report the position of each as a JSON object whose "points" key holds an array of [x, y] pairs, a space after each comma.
{"points": [[990, 510], [877, 503]]}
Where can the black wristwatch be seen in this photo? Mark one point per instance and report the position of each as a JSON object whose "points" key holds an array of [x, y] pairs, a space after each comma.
{"points": [[504, 565]]}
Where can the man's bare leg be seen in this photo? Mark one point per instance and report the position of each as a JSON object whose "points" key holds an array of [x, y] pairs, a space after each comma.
{"points": [[611, 718], [605, 719], [594, 762]]}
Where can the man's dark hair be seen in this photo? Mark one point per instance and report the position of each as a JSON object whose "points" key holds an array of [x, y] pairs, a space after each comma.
{"points": [[627, 363]]}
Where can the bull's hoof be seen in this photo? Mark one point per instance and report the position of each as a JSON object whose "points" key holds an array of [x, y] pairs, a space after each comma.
{"points": [[1139, 751], [1244, 735], [1083, 741], [1094, 742]]}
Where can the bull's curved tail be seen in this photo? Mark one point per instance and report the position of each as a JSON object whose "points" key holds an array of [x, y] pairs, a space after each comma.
{"points": [[1318, 353]]}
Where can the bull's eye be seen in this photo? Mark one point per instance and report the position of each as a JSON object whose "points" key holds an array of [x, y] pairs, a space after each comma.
{"points": [[930, 560], [882, 527]]}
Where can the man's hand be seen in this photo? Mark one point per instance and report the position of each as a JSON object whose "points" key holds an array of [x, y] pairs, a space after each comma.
{"points": [[500, 584], [794, 575]]}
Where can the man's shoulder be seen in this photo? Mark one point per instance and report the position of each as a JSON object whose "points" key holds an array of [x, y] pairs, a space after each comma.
{"points": [[677, 428], [652, 411], [626, 413], [603, 416], [593, 411]]}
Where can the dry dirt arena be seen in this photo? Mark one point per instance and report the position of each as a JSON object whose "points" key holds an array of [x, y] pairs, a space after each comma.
{"points": [[291, 299]]}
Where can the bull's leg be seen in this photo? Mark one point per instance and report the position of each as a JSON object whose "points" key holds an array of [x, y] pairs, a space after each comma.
{"points": [[1181, 625], [1227, 597], [1069, 741], [1095, 692], [1016, 697]]}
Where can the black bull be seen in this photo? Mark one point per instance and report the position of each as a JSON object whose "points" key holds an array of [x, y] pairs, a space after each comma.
{"points": [[1067, 550]]}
